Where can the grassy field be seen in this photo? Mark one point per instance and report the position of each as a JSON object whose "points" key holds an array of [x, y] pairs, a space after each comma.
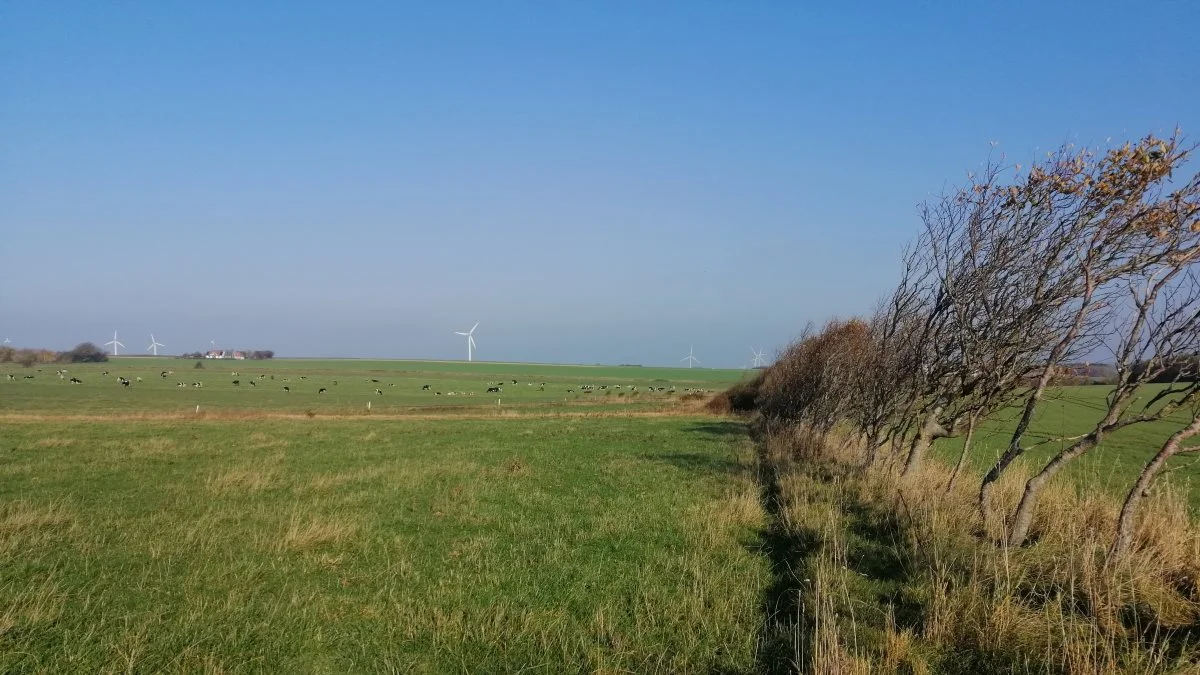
{"points": [[1069, 411], [610, 543], [349, 385]]}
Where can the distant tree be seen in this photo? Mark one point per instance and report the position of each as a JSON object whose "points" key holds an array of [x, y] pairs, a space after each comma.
{"points": [[26, 357], [84, 352], [262, 354], [199, 364]]}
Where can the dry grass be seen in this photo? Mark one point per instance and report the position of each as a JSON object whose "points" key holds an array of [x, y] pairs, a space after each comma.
{"points": [[1056, 605], [240, 480], [55, 442], [22, 516], [307, 533]]}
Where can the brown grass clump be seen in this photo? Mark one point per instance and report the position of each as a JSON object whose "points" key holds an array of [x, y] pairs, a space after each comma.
{"points": [[313, 532], [243, 479], [55, 442]]}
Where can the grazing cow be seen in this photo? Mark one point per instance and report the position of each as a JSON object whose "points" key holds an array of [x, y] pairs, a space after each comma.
{"points": [[392, 384], [570, 391], [104, 373], [379, 391], [27, 377], [304, 377], [286, 388], [514, 381], [493, 390], [437, 393], [139, 379], [124, 383], [321, 390], [12, 377], [163, 374], [181, 385], [375, 380], [236, 382], [253, 383], [76, 380], [425, 388]]}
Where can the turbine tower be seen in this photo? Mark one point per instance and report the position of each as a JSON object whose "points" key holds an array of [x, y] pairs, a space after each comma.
{"points": [[115, 344], [690, 358], [470, 339], [154, 345], [759, 358]]}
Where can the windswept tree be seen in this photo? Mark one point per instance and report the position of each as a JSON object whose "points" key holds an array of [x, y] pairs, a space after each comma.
{"points": [[1108, 213]]}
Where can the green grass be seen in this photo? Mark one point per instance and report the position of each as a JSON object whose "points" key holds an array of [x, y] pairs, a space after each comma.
{"points": [[348, 384], [1070, 411], [544, 544]]}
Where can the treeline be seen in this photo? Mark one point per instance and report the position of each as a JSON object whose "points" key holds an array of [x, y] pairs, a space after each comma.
{"points": [[85, 352], [255, 355], [1014, 275]]}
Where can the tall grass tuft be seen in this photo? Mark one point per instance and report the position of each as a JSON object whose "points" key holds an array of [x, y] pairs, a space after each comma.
{"points": [[911, 577]]}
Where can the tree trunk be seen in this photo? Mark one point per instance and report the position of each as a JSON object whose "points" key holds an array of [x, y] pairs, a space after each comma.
{"points": [[1124, 535], [1033, 487], [962, 458], [1014, 448], [929, 431]]}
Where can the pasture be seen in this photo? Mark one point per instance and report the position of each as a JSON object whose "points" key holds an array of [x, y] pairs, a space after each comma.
{"points": [[1070, 411], [137, 536], [348, 384]]}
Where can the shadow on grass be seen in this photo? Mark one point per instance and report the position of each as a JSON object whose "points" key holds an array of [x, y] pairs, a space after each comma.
{"points": [[722, 429], [699, 463]]}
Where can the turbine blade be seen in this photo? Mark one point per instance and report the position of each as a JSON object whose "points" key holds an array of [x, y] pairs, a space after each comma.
{"points": [[474, 327], [471, 340], [458, 332]]}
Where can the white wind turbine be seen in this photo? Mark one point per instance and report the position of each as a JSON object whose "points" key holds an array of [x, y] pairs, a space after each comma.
{"points": [[690, 358], [114, 343], [7, 341], [154, 345], [759, 358], [470, 339]]}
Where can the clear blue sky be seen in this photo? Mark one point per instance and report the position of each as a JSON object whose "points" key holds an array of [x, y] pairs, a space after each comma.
{"points": [[591, 181]]}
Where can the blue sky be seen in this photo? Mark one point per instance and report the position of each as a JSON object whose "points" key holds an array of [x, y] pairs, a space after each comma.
{"points": [[592, 182]]}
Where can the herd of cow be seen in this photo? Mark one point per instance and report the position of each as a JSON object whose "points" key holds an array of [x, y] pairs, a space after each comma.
{"points": [[492, 388]]}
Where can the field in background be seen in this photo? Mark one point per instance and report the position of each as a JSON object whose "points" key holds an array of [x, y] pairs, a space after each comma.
{"points": [[348, 383], [1070, 411], [244, 540]]}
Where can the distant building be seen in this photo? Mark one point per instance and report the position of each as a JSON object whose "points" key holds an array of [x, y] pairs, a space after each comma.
{"points": [[240, 356], [215, 354]]}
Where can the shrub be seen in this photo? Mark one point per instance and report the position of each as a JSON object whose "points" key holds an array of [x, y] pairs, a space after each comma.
{"points": [[84, 352]]}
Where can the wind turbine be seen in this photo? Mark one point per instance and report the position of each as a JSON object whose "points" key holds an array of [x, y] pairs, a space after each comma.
{"points": [[7, 341], [114, 343], [470, 338], [690, 358], [154, 345], [759, 358]]}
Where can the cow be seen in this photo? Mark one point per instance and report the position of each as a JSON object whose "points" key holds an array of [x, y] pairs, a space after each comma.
{"points": [[76, 380], [514, 381], [425, 388], [124, 383], [321, 390], [163, 374], [379, 392], [286, 388], [496, 390], [253, 383], [12, 377], [236, 382], [139, 379]]}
